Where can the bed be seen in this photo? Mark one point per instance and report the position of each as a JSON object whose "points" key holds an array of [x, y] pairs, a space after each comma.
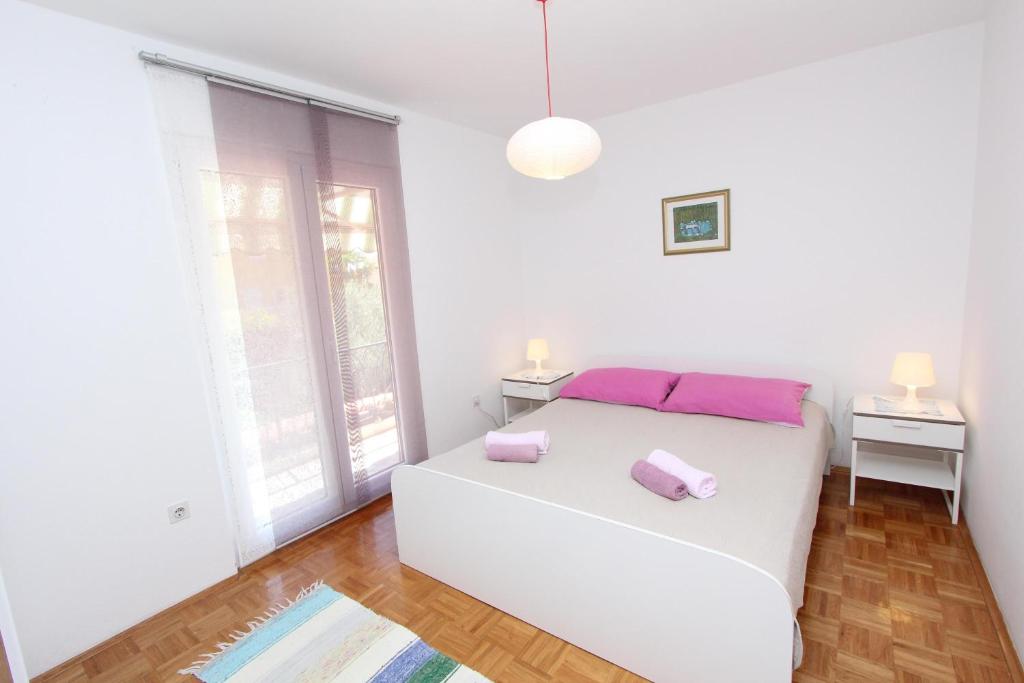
{"points": [[701, 590]]}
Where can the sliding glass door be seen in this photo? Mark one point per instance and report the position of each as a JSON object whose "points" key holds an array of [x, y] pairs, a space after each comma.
{"points": [[354, 316], [293, 229], [268, 310]]}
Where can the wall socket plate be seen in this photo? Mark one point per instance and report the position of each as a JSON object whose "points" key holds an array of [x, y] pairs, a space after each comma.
{"points": [[178, 512]]}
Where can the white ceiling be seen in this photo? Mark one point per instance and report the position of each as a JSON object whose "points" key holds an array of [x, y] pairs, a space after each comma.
{"points": [[481, 62]]}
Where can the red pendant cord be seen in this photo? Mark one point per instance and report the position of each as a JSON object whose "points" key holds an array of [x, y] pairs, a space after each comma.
{"points": [[547, 61]]}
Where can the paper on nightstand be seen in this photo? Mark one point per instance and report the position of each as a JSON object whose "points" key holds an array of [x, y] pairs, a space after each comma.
{"points": [[888, 405]]}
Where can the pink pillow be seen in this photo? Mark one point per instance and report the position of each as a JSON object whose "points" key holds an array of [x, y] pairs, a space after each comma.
{"points": [[748, 398], [627, 386]]}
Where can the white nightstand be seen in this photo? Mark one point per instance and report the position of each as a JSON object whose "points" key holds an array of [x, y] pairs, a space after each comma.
{"points": [[943, 433], [521, 385]]}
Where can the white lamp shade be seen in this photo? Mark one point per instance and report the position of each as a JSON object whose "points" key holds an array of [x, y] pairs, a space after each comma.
{"points": [[553, 148], [537, 349], [913, 370]]}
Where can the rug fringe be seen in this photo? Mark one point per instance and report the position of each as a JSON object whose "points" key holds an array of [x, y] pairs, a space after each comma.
{"points": [[239, 636]]}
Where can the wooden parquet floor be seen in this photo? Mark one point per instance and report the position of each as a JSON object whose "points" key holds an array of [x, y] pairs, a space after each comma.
{"points": [[894, 593]]}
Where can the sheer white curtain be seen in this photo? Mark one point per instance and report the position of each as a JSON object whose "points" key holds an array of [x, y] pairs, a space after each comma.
{"points": [[293, 240]]}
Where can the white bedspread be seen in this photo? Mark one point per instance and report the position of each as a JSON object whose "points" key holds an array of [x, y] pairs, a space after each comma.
{"points": [[769, 477]]}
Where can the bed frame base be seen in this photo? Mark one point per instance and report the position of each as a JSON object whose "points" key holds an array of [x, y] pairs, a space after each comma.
{"points": [[662, 608]]}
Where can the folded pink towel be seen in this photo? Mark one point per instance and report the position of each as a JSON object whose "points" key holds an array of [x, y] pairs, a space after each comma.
{"points": [[700, 484], [658, 481], [540, 439], [523, 452]]}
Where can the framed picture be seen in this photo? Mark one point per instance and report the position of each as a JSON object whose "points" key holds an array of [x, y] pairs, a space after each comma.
{"points": [[696, 222]]}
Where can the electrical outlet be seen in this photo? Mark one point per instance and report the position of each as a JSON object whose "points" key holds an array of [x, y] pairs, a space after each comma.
{"points": [[476, 401], [178, 512]]}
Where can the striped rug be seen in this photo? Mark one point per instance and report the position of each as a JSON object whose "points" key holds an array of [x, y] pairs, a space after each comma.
{"points": [[324, 636]]}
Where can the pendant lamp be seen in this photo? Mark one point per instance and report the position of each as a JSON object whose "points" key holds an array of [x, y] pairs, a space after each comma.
{"points": [[553, 147]]}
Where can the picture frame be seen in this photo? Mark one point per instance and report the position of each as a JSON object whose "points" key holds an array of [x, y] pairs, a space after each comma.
{"points": [[695, 223]]}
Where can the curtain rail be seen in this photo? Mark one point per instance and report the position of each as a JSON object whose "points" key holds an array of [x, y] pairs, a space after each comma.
{"points": [[277, 91]]}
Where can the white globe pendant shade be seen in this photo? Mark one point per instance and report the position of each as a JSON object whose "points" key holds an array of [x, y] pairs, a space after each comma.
{"points": [[553, 148]]}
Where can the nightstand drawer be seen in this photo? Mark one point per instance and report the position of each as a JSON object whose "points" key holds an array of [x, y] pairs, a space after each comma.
{"points": [[911, 432], [528, 390]]}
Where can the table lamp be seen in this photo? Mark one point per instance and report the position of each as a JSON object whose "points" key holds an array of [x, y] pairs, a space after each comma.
{"points": [[537, 351], [912, 370]]}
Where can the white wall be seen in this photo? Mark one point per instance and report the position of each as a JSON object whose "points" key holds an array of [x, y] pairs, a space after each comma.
{"points": [[851, 207], [104, 416], [992, 374], [467, 279], [103, 405]]}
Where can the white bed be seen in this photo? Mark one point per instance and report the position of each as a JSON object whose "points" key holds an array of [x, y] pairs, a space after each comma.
{"points": [[701, 590]]}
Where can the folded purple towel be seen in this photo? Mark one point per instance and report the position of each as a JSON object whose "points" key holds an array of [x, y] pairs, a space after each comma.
{"points": [[538, 437], [699, 484], [658, 481], [512, 452]]}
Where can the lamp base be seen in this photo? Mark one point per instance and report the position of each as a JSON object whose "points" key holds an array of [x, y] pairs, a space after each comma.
{"points": [[910, 402], [540, 373]]}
